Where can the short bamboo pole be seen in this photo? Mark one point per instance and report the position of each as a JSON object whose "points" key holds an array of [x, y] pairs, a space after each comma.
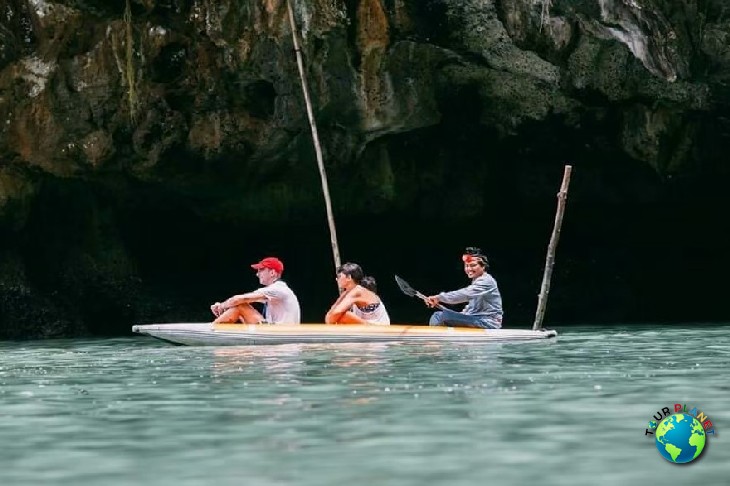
{"points": [[550, 260], [315, 138]]}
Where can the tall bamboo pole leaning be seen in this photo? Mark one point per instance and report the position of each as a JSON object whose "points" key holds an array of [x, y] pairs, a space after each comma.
{"points": [[315, 138], [550, 260]]}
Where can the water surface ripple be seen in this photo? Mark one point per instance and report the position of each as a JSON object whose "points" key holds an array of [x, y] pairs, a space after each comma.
{"points": [[568, 412]]}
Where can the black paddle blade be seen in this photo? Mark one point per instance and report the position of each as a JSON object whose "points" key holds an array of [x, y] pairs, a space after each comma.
{"points": [[405, 288]]}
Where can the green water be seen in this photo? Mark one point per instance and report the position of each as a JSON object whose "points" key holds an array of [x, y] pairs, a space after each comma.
{"points": [[567, 412]]}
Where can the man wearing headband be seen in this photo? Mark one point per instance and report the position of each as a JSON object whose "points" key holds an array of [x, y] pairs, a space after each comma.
{"points": [[483, 300]]}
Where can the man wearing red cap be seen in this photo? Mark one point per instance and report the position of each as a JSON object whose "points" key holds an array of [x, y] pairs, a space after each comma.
{"points": [[483, 301], [282, 305]]}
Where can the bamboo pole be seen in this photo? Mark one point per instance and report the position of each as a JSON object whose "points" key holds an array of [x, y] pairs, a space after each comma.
{"points": [[315, 138], [550, 260], [129, 62]]}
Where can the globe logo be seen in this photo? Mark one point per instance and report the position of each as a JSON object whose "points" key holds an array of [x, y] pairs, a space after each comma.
{"points": [[680, 438]]}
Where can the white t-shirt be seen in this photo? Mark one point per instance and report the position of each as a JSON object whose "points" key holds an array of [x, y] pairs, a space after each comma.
{"points": [[282, 306]]}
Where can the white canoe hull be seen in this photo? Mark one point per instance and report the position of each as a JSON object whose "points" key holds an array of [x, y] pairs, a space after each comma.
{"points": [[207, 334]]}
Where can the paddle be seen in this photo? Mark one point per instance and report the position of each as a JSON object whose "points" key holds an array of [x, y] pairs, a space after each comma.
{"points": [[411, 292]]}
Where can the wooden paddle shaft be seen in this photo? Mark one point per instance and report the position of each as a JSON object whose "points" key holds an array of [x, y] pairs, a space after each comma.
{"points": [[420, 295]]}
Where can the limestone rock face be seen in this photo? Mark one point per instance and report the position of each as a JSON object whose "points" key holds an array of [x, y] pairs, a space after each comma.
{"points": [[109, 110]]}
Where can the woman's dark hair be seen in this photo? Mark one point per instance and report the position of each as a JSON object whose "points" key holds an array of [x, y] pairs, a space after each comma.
{"points": [[352, 270], [369, 283]]}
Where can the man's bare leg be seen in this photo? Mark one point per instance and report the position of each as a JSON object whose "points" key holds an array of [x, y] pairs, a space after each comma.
{"points": [[241, 313]]}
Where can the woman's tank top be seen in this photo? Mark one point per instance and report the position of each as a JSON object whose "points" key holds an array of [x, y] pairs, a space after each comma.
{"points": [[373, 313]]}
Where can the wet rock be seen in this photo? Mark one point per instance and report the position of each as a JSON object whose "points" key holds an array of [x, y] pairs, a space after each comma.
{"points": [[192, 111]]}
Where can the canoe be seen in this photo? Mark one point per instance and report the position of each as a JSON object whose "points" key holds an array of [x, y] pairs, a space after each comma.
{"points": [[207, 334]]}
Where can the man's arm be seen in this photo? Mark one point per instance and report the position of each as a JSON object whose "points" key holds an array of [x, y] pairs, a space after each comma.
{"points": [[476, 288], [247, 298]]}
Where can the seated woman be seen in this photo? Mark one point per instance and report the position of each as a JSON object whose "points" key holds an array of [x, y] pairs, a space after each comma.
{"points": [[357, 304]]}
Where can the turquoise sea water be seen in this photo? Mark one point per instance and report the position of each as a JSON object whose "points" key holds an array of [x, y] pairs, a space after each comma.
{"points": [[567, 412]]}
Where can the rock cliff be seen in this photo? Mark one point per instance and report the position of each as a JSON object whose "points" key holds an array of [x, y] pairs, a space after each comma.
{"points": [[139, 138]]}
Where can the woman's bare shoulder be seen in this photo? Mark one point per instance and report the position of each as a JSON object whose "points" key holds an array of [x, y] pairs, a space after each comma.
{"points": [[366, 295]]}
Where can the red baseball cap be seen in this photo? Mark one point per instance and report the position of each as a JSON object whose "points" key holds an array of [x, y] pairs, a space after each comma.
{"points": [[270, 262]]}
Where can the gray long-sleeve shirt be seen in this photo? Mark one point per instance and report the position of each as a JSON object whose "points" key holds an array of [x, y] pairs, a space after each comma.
{"points": [[482, 297]]}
